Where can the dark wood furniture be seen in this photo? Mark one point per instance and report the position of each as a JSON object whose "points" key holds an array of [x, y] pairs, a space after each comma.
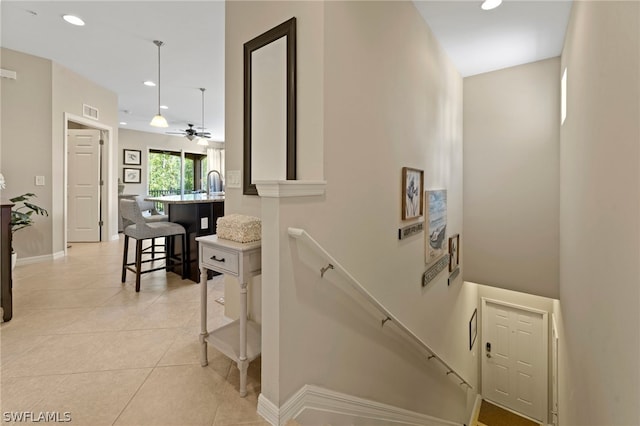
{"points": [[198, 213], [6, 282]]}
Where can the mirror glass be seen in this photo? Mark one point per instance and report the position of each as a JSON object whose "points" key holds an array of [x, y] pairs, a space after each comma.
{"points": [[270, 107], [269, 112]]}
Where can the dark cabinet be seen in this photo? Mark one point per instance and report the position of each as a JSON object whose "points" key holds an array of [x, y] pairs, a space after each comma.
{"points": [[5, 262], [198, 219]]}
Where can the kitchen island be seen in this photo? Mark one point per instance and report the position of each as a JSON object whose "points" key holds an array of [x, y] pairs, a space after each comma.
{"points": [[198, 213]]}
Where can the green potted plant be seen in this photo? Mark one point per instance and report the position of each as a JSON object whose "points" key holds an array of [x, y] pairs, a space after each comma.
{"points": [[21, 216]]}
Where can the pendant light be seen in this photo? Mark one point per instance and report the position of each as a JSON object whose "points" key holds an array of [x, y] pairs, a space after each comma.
{"points": [[159, 120], [203, 141]]}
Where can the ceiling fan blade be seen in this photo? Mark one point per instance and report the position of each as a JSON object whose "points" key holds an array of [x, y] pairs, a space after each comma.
{"points": [[175, 133]]}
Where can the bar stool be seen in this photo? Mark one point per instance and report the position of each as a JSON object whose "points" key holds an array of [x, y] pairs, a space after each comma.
{"points": [[142, 230], [150, 214]]}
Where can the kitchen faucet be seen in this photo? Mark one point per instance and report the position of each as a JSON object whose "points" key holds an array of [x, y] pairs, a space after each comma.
{"points": [[209, 181]]}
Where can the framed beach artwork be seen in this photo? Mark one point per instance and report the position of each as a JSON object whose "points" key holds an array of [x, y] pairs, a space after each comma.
{"points": [[412, 198], [435, 237]]}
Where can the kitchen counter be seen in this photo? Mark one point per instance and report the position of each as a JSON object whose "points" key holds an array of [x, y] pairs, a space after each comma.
{"points": [[216, 197], [198, 213]]}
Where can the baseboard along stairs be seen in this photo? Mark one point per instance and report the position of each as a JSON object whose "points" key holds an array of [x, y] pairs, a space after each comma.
{"points": [[314, 405]]}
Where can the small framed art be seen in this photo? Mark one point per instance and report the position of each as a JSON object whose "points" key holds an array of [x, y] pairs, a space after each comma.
{"points": [[412, 193], [454, 252], [473, 328], [131, 175], [132, 157]]}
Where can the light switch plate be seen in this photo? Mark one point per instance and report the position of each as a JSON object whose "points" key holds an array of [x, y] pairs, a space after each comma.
{"points": [[39, 180], [233, 179], [204, 222]]}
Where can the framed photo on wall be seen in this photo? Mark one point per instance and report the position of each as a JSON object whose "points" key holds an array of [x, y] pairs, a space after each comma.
{"points": [[131, 175], [435, 240], [473, 328], [412, 193], [454, 252], [132, 157]]}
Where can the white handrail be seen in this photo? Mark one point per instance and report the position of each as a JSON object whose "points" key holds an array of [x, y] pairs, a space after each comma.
{"points": [[298, 233]]}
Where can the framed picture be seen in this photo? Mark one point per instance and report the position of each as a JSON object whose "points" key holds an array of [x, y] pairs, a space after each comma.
{"points": [[435, 240], [473, 328], [130, 175], [412, 193], [454, 252], [132, 156]]}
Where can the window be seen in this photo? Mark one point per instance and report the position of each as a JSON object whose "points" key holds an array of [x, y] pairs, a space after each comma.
{"points": [[563, 97], [165, 172]]}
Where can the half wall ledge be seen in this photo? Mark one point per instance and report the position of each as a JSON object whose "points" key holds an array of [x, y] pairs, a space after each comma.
{"points": [[291, 188]]}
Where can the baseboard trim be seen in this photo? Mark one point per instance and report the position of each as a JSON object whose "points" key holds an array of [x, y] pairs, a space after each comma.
{"points": [[315, 398], [476, 410], [268, 410], [38, 259]]}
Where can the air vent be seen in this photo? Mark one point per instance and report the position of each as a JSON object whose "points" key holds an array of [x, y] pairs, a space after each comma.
{"points": [[11, 75], [89, 111]]}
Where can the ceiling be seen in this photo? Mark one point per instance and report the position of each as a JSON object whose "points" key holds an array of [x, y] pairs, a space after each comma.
{"points": [[515, 33], [115, 48]]}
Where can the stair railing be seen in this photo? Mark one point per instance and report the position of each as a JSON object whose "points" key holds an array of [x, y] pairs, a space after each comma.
{"points": [[301, 234]]}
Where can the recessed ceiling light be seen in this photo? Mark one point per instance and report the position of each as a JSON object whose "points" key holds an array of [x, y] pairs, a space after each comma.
{"points": [[164, 107], [73, 20], [123, 123], [490, 4], [149, 83]]}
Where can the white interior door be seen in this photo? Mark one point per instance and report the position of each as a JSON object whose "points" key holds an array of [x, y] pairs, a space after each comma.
{"points": [[514, 365], [83, 202]]}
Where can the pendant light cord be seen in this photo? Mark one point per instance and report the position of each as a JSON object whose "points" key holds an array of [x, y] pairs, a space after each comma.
{"points": [[159, 44], [202, 89]]}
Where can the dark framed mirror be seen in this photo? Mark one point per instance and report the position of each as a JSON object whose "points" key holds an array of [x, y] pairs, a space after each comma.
{"points": [[270, 106]]}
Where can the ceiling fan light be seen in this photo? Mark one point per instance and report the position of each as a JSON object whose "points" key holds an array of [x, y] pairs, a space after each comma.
{"points": [[490, 4], [159, 121], [203, 141], [73, 20], [190, 137]]}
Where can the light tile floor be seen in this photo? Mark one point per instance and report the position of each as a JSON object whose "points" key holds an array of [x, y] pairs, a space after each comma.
{"points": [[82, 342]]}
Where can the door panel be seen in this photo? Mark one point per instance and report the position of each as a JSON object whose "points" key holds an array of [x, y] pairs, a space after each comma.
{"points": [[83, 175], [515, 362]]}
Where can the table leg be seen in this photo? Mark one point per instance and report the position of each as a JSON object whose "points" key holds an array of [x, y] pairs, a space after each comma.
{"points": [[203, 316], [242, 359], [243, 366]]}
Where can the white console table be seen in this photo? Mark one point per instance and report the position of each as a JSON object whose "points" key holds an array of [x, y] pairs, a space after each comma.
{"points": [[240, 340]]}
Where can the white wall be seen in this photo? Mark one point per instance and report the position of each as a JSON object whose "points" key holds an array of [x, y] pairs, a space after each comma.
{"points": [[511, 178], [384, 100], [600, 217], [33, 141], [26, 144]]}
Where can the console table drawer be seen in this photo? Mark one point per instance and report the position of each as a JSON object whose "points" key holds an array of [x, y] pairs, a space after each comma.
{"points": [[220, 259]]}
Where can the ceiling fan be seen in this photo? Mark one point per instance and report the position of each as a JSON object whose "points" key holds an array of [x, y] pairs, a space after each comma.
{"points": [[191, 133]]}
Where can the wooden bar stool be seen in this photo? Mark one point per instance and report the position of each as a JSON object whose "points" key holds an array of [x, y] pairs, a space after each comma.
{"points": [[141, 230]]}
